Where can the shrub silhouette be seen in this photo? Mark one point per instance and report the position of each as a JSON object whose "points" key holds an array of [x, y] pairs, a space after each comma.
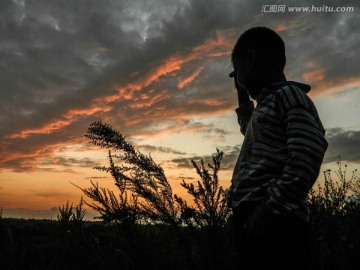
{"points": [[65, 213], [335, 221], [110, 208], [210, 208], [333, 197], [70, 214]]}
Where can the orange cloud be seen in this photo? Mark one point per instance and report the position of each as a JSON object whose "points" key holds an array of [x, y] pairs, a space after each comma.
{"points": [[65, 120], [28, 161], [145, 101], [170, 65], [175, 120], [284, 27], [210, 48], [175, 125], [281, 28], [45, 129], [103, 49], [190, 78], [324, 85], [328, 87], [314, 76], [220, 41], [209, 102], [220, 54]]}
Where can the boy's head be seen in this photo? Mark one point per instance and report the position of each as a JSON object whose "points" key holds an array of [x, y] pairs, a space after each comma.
{"points": [[257, 52], [262, 40]]}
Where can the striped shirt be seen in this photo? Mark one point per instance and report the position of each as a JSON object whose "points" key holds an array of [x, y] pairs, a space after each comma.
{"points": [[282, 152]]}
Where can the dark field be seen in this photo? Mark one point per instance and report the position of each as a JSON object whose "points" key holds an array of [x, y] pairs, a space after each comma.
{"points": [[46, 244]]}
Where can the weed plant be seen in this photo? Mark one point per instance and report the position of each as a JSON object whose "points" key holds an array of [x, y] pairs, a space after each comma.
{"points": [[335, 221]]}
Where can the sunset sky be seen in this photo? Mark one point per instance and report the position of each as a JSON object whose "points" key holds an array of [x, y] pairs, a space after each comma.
{"points": [[157, 71]]}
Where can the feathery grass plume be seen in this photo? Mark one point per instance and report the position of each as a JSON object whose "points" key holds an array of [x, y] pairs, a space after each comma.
{"points": [[209, 197], [137, 173]]}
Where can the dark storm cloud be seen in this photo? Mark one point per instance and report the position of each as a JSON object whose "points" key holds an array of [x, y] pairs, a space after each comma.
{"points": [[344, 143], [69, 162], [95, 177], [321, 47], [60, 55], [50, 194], [227, 163], [31, 213], [161, 149], [25, 154], [57, 55], [59, 59]]}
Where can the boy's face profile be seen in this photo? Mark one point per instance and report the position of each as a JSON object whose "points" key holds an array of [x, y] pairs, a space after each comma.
{"points": [[243, 70]]}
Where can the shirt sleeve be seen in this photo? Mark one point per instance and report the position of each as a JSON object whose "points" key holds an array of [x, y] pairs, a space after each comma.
{"points": [[244, 113], [306, 148]]}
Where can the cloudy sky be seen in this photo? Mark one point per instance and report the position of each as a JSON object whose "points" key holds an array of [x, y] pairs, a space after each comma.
{"points": [[157, 71]]}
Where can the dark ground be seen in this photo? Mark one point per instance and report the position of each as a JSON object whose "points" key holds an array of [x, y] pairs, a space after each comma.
{"points": [[46, 244]]}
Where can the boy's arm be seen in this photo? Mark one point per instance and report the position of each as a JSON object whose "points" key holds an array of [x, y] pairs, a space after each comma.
{"points": [[306, 148], [246, 106], [244, 112]]}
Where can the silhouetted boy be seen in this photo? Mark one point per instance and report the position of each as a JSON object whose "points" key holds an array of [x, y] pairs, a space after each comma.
{"points": [[280, 157]]}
